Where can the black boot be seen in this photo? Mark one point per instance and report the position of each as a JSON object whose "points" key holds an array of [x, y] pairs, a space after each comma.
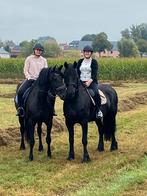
{"points": [[20, 112]]}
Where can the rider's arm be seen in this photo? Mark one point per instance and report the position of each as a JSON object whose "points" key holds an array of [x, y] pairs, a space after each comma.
{"points": [[26, 69]]}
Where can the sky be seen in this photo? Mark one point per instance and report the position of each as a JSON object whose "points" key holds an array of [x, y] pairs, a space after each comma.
{"points": [[67, 20]]}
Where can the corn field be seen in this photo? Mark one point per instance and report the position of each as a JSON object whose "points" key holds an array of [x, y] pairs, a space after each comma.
{"points": [[109, 68]]}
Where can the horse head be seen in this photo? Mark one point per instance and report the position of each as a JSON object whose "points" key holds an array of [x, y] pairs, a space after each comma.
{"points": [[71, 79], [57, 86], [51, 81]]}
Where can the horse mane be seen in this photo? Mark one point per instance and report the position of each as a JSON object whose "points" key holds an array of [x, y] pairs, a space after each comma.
{"points": [[43, 78]]}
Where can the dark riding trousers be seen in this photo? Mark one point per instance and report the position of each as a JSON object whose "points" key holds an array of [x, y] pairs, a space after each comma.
{"points": [[97, 98], [21, 90]]}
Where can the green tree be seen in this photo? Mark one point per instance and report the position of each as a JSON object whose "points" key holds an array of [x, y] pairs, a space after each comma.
{"points": [[51, 49], [126, 33], [142, 46], [101, 43], [88, 37], [139, 32], [128, 48], [27, 47], [7, 48]]}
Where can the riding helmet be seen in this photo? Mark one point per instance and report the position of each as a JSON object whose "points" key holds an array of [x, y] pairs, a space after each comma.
{"points": [[38, 46], [88, 48]]}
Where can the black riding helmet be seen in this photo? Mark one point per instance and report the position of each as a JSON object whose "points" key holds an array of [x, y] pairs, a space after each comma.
{"points": [[38, 46], [88, 48]]}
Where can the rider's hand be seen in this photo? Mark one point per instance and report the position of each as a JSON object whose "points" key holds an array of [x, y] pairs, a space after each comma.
{"points": [[88, 82]]}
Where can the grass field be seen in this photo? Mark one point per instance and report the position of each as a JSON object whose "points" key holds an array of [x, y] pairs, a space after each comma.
{"points": [[119, 173]]}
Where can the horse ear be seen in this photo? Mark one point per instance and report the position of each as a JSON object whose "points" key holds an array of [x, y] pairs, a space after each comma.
{"points": [[75, 64], [60, 67], [66, 65], [54, 68]]}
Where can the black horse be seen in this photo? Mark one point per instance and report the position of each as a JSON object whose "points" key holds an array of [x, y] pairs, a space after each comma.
{"points": [[78, 108], [39, 107]]}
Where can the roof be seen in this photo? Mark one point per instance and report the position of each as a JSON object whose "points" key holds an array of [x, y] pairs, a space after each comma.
{"points": [[3, 51]]}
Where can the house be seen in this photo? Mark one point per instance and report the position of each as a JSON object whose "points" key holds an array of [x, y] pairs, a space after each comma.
{"points": [[74, 44], [110, 53], [4, 53], [15, 51], [79, 45], [64, 46]]}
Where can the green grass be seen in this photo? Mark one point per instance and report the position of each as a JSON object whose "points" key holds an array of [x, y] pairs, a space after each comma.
{"points": [[109, 173]]}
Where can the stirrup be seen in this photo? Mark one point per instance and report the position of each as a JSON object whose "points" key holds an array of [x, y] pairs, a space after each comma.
{"points": [[20, 112]]}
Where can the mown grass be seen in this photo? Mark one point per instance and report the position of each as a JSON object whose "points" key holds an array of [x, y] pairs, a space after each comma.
{"points": [[109, 173]]}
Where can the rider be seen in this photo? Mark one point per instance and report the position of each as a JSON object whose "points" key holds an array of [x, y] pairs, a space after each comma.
{"points": [[87, 70], [32, 67]]}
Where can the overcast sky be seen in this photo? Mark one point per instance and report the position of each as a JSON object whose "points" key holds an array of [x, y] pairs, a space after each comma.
{"points": [[68, 20]]}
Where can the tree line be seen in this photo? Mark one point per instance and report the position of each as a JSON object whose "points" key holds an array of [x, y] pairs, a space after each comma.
{"points": [[133, 43]]}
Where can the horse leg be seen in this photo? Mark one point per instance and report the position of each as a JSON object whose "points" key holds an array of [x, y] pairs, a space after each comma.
{"points": [[70, 127], [48, 137], [31, 127], [39, 131], [86, 157], [100, 147], [114, 145], [22, 129]]}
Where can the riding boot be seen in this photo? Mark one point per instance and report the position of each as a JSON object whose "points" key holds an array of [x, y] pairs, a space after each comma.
{"points": [[99, 114], [20, 111], [19, 107]]}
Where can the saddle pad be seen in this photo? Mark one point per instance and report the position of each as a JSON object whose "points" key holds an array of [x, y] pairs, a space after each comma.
{"points": [[103, 97]]}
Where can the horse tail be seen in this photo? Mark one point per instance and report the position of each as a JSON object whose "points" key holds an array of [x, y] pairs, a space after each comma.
{"points": [[27, 135], [110, 119], [109, 127]]}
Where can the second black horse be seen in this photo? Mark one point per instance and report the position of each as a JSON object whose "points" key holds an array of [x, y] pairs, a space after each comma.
{"points": [[39, 106], [78, 108]]}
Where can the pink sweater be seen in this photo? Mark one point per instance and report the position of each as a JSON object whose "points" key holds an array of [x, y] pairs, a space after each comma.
{"points": [[33, 66]]}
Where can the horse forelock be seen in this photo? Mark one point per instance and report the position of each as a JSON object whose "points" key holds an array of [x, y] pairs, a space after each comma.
{"points": [[71, 73]]}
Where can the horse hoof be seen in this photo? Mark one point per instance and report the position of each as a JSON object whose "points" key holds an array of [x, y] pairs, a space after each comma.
{"points": [[86, 160], [31, 158], [22, 148], [70, 158], [114, 147], [100, 149], [49, 156], [40, 149]]}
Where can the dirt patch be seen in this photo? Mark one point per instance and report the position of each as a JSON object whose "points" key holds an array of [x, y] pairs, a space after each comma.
{"points": [[10, 81], [132, 102], [8, 95], [10, 135]]}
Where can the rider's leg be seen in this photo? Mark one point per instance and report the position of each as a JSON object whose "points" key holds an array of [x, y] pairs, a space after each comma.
{"points": [[23, 87], [97, 99]]}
